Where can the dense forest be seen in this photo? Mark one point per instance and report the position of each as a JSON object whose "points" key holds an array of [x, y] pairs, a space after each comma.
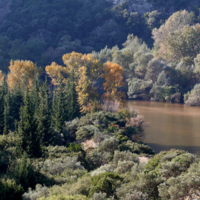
{"points": [[67, 69]]}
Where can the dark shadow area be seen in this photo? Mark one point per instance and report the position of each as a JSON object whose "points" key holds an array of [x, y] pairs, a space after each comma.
{"points": [[158, 148]]}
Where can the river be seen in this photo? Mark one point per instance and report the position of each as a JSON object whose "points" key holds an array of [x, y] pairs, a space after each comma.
{"points": [[170, 126]]}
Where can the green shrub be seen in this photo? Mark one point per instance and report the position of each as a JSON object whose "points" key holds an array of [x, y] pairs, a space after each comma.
{"points": [[39, 191], [136, 148], [110, 144], [10, 190], [97, 157], [106, 183], [124, 156], [155, 162], [7, 141], [24, 172], [124, 167], [86, 132], [73, 147]]}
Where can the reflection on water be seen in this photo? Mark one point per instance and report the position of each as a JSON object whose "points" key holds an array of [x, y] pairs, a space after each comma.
{"points": [[170, 125]]}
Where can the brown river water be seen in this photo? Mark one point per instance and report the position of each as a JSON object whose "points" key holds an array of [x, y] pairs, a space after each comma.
{"points": [[171, 126]]}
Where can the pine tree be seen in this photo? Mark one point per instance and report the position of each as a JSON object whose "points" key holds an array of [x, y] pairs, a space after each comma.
{"points": [[29, 140], [58, 108], [74, 108]]}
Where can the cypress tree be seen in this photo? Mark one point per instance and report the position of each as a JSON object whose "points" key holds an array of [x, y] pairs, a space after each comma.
{"points": [[6, 114], [67, 99], [74, 108], [1, 112], [44, 128], [29, 140], [58, 108], [35, 94], [3, 92], [95, 106], [16, 103]]}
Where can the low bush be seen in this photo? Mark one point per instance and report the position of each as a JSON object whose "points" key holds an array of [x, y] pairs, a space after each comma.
{"points": [[136, 148], [124, 156], [9, 189], [105, 183], [39, 191]]}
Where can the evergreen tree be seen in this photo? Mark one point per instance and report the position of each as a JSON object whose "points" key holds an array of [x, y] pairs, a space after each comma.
{"points": [[6, 114], [74, 108], [3, 92], [35, 94], [29, 140], [44, 128], [58, 108], [67, 98], [95, 106], [16, 103], [1, 112]]}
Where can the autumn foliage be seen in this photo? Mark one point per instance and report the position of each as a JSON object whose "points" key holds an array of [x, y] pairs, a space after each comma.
{"points": [[56, 72], [113, 76], [21, 69]]}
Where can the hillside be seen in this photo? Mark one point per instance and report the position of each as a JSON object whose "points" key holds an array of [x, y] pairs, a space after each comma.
{"points": [[42, 31]]}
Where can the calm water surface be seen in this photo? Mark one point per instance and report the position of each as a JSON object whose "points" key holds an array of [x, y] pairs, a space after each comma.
{"points": [[170, 125]]}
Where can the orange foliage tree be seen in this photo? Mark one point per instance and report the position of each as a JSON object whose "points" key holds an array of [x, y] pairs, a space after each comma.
{"points": [[113, 76], [19, 69]]}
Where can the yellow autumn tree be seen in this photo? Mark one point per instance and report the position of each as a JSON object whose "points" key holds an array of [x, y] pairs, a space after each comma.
{"points": [[74, 61], [56, 72], [19, 69], [86, 70], [82, 88], [113, 76]]}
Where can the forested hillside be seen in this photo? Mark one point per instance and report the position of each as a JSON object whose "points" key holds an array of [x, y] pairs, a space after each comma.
{"points": [[42, 31]]}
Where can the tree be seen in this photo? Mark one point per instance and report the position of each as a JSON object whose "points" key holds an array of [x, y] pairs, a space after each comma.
{"points": [[84, 89], [74, 107], [176, 22], [113, 76], [35, 94], [56, 72], [44, 128], [19, 70], [6, 114], [28, 138], [3, 93], [183, 44], [58, 108], [16, 103]]}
